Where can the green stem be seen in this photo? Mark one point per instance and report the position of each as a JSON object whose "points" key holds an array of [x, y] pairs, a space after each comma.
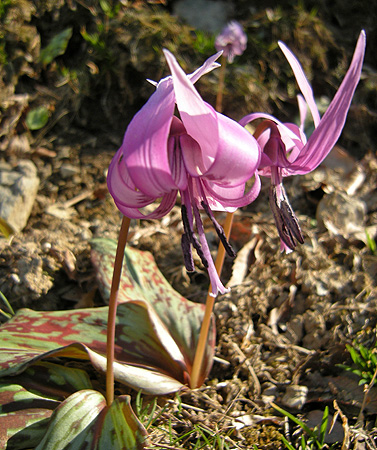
{"points": [[221, 85], [122, 240], [210, 301]]}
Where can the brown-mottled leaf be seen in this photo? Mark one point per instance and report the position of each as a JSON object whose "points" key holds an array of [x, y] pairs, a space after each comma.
{"points": [[84, 420], [24, 413], [141, 279], [142, 361], [27, 400], [156, 330]]}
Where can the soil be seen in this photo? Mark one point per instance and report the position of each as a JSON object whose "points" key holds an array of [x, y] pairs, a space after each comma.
{"points": [[281, 331]]}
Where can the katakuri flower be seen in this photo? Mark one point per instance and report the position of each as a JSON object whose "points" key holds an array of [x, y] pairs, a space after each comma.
{"points": [[202, 154], [232, 40], [285, 148]]}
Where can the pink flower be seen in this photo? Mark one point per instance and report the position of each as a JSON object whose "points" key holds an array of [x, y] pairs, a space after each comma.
{"points": [[232, 40], [285, 149], [202, 154]]}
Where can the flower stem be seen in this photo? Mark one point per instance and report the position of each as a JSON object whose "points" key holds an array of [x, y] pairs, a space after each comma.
{"points": [[210, 301], [123, 234], [221, 85]]}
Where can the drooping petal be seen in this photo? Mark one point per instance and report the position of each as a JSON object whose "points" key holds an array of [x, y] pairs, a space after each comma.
{"points": [[302, 82], [145, 143], [166, 205], [229, 198], [329, 129], [255, 116], [302, 107], [122, 188], [198, 118], [238, 154]]}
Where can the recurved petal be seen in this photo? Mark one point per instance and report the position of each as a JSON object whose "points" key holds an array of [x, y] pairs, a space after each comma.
{"points": [[302, 82], [220, 198], [302, 106], [208, 66], [284, 130], [198, 117], [163, 208], [329, 129], [122, 188], [238, 154], [145, 143]]}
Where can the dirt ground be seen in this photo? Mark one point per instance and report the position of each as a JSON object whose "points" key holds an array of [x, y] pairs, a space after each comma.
{"points": [[281, 331]]}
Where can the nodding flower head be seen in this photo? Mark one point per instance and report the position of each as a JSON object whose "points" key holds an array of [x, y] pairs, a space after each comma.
{"points": [[203, 155], [232, 40], [285, 148]]}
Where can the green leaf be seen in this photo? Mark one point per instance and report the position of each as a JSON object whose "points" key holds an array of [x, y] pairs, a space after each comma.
{"points": [[85, 421], [141, 278], [37, 118], [27, 400], [324, 423], [56, 46], [142, 359], [156, 331], [364, 352], [23, 416]]}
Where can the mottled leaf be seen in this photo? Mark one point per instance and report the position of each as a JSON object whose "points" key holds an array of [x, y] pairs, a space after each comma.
{"points": [[141, 278], [23, 416], [142, 361], [84, 421], [29, 399], [156, 330]]}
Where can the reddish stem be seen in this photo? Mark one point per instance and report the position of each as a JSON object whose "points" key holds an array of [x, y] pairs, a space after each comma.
{"points": [[210, 301], [122, 240]]}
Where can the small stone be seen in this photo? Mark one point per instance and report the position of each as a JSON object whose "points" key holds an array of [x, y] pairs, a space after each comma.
{"points": [[18, 189], [341, 214], [68, 170], [295, 396]]}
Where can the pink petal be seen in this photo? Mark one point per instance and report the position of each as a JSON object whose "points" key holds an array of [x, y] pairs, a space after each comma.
{"points": [[121, 186], [198, 118], [328, 131], [166, 205], [238, 154], [303, 110], [254, 116], [302, 82], [232, 197], [207, 67], [145, 143]]}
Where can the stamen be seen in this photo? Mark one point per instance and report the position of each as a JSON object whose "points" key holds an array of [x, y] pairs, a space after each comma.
{"points": [[216, 283], [219, 230], [191, 236], [187, 253], [285, 219]]}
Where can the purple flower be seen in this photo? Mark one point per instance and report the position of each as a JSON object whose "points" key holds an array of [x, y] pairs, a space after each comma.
{"points": [[232, 40], [285, 149], [202, 154]]}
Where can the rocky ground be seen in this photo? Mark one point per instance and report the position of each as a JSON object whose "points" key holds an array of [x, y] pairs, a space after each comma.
{"points": [[281, 331]]}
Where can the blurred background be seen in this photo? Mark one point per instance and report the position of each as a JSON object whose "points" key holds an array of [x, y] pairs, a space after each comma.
{"points": [[80, 66]]}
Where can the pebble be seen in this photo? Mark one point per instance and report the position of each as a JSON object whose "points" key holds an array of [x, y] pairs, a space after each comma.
{"points": [[18, 189], [68, 170], [341, 214], [295, 396]]}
